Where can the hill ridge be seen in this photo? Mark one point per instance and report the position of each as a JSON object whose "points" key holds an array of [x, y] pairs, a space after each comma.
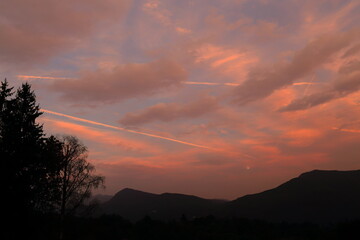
{"points": [[316, 196]]}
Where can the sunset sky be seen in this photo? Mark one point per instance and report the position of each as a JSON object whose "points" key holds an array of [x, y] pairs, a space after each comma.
{"points": [[215, 98]]}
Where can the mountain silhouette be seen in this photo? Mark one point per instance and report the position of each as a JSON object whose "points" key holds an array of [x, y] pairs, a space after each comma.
{"points": [[316, 196], [135, 205]]}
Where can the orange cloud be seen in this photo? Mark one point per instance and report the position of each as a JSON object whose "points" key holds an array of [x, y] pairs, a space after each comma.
{"points": [[167, 112], [263, 82], [124, 129], [303, 137], [316, 24], [230, 62], [263, 31], [155, 9], [269, 150], [347, 130], [106, 138], [30, 34], [123, 82], [347, 83]]}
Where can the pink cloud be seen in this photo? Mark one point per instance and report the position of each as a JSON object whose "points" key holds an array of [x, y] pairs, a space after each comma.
{"points": [[122, 82], [347, 82], [107, 139], [263, 31], [32, 32], [315, 22], [303, 137], [231, 62], [167, 112], [185, 172], [263, 82]]}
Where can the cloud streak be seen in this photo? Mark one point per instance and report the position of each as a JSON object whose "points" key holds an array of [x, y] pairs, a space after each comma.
{"points": [[123, 129], [107, 139], [123, 82], [167, 112], [262, 83], [347, 130], [348, 82]]}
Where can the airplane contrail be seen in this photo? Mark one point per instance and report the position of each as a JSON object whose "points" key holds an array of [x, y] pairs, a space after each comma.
{"points": [[211, 83], [41, 77], [137, 132], [231, 84], [26, 77], [123, 129], [309, 85], [238, 84], [303, 83]]}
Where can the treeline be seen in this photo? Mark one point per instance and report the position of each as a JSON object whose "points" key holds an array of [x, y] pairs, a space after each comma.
{"points": [[40, 174], [207, 228]]}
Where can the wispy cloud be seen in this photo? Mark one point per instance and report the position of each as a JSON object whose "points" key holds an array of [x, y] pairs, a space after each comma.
{"points": [[262, 83], [167, 112], [123, 129], [108, 139], [347, 82], [347, 130], [122, 82]]}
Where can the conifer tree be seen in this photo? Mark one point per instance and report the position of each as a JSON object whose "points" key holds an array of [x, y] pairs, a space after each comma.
{"points": [[21, 143], [40, 174], [5, 153]]}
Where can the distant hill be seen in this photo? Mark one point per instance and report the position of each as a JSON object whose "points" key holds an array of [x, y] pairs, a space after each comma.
{"points": [[316, 196], [134, 205]]}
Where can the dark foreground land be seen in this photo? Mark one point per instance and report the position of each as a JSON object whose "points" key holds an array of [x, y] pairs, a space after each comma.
{"points": [[206, 228], [315, 205]]}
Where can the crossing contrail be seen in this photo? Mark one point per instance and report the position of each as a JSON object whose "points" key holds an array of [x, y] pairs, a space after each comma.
{"points": [[123, 129]]}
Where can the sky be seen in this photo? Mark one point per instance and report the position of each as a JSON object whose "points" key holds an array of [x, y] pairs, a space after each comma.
{"points": [[212, 98]]}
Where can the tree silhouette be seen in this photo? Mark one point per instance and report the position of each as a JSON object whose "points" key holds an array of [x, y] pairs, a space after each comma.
{"points": [[21, 148], [21, 145], [40, 174], [50, 193], [77, 178]]}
